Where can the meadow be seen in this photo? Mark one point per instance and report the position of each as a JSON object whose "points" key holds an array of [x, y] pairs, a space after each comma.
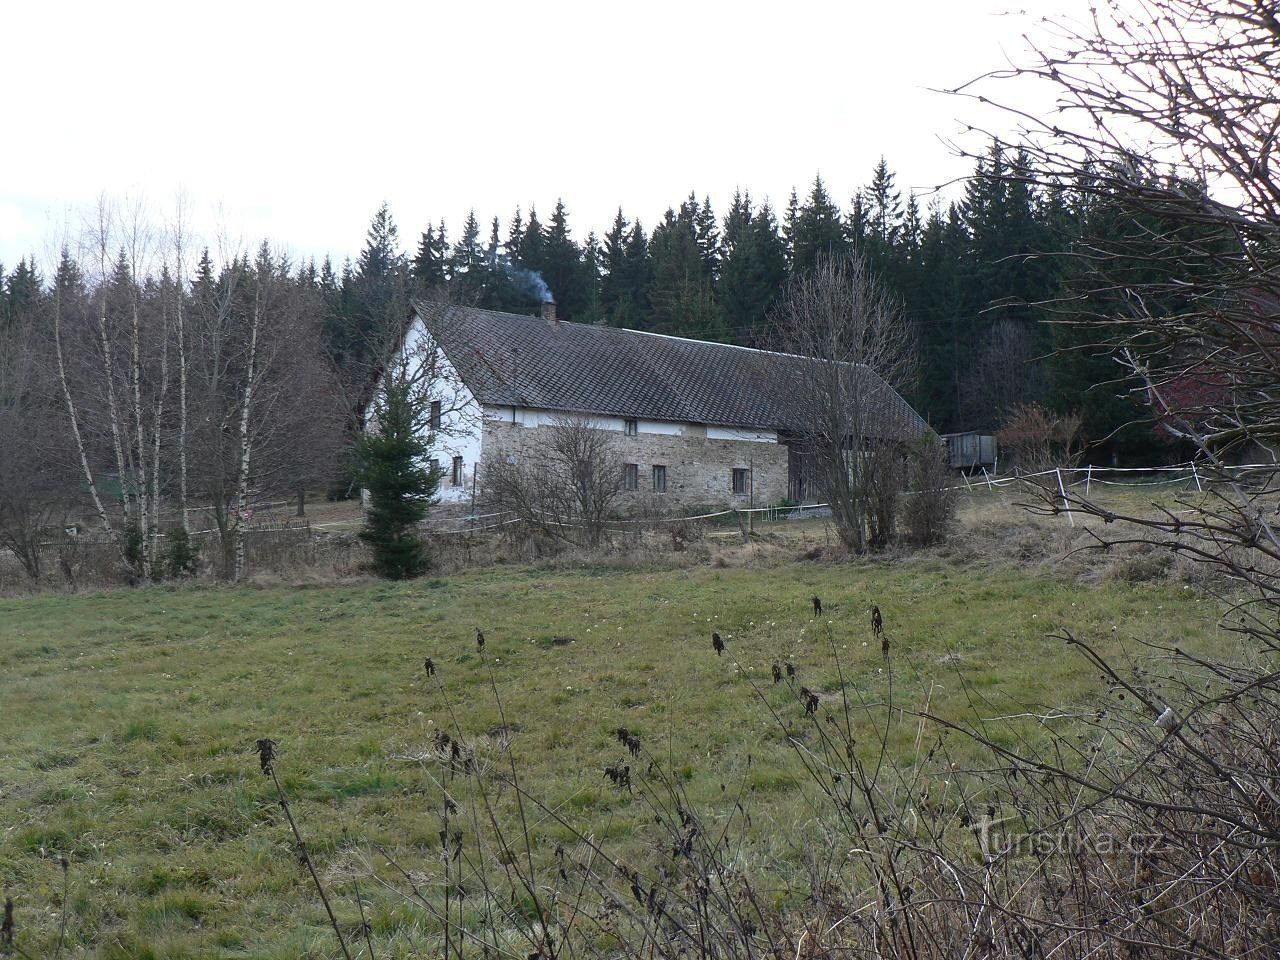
{"points": [[129, 719]]}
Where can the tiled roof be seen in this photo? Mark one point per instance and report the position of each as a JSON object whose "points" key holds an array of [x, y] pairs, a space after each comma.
{"points": [[508, 359]]}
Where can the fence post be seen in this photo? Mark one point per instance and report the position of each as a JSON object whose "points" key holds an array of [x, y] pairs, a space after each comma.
{"points": [[1195, 473], [1088, 478], [1066, 504], [988, 478]]}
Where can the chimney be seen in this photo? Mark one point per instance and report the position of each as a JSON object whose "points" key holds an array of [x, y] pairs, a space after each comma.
{"points": [[548, 310]]}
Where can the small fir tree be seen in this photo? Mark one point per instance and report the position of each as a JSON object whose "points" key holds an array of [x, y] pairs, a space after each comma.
{"points": [[391, 466]]}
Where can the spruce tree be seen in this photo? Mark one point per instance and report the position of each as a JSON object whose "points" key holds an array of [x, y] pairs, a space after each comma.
{"points": [[466, 263], [754, 271], [428, 264], [818, 231], [391, 466]]}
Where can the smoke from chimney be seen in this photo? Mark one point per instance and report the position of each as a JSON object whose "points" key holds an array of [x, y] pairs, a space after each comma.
{"points": [[530, 282]]}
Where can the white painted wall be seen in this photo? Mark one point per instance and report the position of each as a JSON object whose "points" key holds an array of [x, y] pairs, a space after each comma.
{"points": [[460, 417], [735, 433], [533, 417]]}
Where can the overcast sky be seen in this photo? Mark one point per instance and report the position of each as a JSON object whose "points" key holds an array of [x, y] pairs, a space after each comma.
{"points": [[295, 121]]}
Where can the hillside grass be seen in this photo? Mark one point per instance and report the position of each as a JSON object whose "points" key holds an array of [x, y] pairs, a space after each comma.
{"points": [[128, 719]]}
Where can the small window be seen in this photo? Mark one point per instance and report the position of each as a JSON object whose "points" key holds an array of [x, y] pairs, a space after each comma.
{"points": [[741, 481], [435, 414], [457, 471], [633, 427], [631, 476], [435, 466], [659, 479]]}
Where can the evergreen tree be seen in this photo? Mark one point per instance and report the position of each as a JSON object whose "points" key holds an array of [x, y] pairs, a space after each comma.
{"points": [[680, 295], [429, 262], [376, 297], [515, 237], [23, 290], [466, 268], [754, 272], [562, 267], [391, 466], [817, 231], [884, 207], [624, 275], [707, 231]]}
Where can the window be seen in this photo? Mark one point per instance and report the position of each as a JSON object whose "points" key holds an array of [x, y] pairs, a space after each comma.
{"points": [[457, 471], [435, 466], [631, 476], [435, 414], [741, 481], [659, 478], [633, 427]]}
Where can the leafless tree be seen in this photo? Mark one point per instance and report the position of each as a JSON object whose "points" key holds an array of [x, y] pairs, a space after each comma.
{"points": [[1168, 112], [264, 417], [563, 480], [862, 349], [998, 381], [35, 493]]}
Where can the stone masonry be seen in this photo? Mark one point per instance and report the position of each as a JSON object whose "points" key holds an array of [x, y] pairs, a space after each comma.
{"points": [[699, 470]]}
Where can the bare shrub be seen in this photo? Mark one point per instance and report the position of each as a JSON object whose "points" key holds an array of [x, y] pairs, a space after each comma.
{"points": [[929, 507], [845, 320], [884, 473], [1034, 439], [562, 482]]}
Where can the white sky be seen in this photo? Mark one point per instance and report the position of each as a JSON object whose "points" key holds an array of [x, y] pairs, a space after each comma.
{"points": [[294, 121]]}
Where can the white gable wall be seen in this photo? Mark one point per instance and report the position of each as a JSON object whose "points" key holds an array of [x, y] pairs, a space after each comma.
{"points": [[461, 417]]}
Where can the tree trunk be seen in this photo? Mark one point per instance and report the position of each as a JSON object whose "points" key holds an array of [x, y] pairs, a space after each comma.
{"points": [[246, 446], [74, 418], [182, 399]]}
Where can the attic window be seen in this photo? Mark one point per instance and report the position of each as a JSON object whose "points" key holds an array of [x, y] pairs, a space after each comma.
{"points": [[435, 414], [633, 427]]}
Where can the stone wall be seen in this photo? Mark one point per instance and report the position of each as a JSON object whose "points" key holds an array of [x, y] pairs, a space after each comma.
{"points": [[699, 470]]}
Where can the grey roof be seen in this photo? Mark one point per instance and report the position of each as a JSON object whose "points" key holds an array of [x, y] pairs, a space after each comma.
{"points": [[509, 359]]}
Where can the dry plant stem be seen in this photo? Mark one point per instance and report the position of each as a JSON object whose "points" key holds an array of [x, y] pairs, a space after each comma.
{"points": [[62, 920], [306, 858]]}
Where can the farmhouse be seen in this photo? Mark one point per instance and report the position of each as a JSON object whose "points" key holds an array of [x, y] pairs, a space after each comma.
{"points": [[698, 423]]}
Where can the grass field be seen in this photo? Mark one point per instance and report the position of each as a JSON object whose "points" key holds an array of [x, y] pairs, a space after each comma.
{"points": [[128, 718]]}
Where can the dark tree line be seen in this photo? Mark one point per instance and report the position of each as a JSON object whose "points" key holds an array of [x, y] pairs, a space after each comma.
{"points": [[984, 280]]}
